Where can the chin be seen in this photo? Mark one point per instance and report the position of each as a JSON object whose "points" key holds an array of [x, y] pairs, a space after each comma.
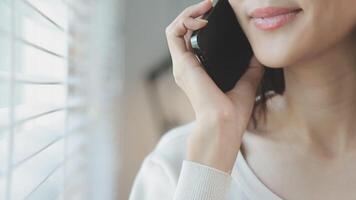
{"points": [[276, 57]]}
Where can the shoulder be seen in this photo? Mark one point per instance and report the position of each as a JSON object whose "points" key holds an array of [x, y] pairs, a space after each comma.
{"points": [[160, 170], [171, 148], [175, 138], [170, 151]]}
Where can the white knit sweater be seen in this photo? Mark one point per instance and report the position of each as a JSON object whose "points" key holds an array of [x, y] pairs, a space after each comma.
{"points": [[166, 175]]}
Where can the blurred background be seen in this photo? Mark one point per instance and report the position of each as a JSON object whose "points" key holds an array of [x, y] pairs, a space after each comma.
{"points": [[86, 92]]}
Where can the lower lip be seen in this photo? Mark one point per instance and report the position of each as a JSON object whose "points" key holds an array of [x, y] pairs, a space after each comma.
{"points": [[271, 23]]}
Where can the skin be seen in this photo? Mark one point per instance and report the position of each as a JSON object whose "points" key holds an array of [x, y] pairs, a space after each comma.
{"points": [[307, 147]]}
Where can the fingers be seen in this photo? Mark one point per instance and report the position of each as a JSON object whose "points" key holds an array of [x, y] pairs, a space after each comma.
{"points": [[186, 21], [192, 24], [197, 9], [253, 73], [200, 89], [187, 40], [244, 91]]}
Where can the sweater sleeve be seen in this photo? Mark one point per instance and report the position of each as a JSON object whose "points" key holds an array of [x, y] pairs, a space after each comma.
{"points": [[195, 182], [200, 182]]}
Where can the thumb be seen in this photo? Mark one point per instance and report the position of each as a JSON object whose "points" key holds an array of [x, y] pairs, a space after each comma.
{"points": [[244, 92], [253, 73]]}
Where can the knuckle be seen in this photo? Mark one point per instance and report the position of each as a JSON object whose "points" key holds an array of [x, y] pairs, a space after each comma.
{"points": [[219, 122], [178, 74], [187, 10], [223, 115], [168, 30], [219, 116], [181, 21], [179, 67]]}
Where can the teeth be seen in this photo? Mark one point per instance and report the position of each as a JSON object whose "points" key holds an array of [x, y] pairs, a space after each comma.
{"points": [[276, 17], [269, 23], [273, 21], [280, 15]]}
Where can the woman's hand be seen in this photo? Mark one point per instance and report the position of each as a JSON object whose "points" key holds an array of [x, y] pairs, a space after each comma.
{"points": [[221, 118]]}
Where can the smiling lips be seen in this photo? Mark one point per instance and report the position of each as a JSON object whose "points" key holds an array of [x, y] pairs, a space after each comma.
{"points": [[270, 18]]}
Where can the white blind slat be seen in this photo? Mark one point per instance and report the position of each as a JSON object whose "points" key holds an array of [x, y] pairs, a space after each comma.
{"points": [[5, 16], [40, 125], [52, 10], [4, 153], [5, 98], [40, 48], [32, 173], [26, 113], [42, 12], [30, 79], [34, 33], [5, 54], [2, 187], [50, 183], [27, 149], [36, 62]]}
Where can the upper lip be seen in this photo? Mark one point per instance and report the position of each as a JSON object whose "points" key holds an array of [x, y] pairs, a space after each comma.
{"points": [[272, 11]]}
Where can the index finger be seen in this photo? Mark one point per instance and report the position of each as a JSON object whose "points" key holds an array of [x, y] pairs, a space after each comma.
{"points": [[177, 29]]}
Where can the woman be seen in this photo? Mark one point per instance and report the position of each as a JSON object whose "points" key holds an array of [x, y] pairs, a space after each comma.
{"points": [[304, 143]]}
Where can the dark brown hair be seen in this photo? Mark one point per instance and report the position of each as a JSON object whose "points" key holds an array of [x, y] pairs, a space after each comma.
{"points": [[272, 80]]}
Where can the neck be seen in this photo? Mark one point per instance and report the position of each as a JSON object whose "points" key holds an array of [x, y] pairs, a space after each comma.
{"points": [[320, 97]]}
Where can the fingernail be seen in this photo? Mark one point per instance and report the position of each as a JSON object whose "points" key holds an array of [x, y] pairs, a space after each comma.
{"points": [[211, 1], [202, 20]]}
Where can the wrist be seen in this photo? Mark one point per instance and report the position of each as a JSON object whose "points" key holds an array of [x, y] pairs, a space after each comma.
{"points": [[213, 150]]}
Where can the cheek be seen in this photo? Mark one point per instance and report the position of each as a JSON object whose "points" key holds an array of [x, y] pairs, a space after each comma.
{"points": [[327, 23], [322, 24], [280, 47], [275, 48]]}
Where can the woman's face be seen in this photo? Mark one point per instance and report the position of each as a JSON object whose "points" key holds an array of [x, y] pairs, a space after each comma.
{"points": [[319, 25]]}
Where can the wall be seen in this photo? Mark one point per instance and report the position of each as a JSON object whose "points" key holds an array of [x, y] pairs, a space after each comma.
{"points": [[145, 22]]}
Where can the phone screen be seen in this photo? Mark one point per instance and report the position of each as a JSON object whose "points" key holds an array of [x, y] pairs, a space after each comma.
{"points": [[222, 47]]}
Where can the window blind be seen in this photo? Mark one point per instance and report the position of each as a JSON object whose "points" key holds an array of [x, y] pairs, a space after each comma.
{"points": [[42, 118]]}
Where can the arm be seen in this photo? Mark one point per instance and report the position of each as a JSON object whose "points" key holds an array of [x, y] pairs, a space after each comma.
{"points": [[196, 182], [200, 182]]}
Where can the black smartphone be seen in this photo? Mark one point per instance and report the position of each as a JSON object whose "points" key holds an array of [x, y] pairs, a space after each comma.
{"points": [[221, 46]]}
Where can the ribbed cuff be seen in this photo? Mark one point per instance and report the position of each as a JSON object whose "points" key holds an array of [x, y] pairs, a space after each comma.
{"points": [[200, 182]]}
